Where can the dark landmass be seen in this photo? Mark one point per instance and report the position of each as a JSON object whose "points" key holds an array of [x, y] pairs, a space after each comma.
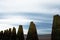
{"points": [[43, 37]]}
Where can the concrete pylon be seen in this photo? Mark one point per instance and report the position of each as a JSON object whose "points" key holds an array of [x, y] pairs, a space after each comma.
{"points": [[20, 35], [1, 35], [9, 34], [32, 32], [56, 28], [6, 35], [13, 35]]}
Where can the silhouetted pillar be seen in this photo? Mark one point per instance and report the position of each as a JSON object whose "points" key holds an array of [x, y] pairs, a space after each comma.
{"points": [[1, 35], [9, 34], [32, 32], [20, 35], [6, 35], [13, 33], [56, 28]]}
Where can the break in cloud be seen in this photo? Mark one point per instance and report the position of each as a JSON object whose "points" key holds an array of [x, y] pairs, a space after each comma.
{"points": [[16, 12]]}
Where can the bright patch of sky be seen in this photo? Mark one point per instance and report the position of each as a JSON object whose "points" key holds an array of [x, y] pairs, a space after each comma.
{"points": [[22, 12]]}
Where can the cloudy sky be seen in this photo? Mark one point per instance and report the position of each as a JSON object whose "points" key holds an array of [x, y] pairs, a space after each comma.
{"points": [[21, 12]]}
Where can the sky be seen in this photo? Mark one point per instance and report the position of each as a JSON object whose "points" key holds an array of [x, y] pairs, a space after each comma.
{"points": [[21, 12]]}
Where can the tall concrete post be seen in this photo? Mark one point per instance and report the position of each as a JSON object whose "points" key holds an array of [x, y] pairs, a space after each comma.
{"points": [[13, 33], [1, 35], [32, 32], [56, 28], [9, 36], [20, 34]]}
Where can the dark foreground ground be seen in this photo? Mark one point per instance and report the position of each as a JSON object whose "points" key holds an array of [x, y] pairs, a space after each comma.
{"points": [[44, 37]]}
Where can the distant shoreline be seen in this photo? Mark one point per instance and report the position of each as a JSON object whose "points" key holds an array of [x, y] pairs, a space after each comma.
{"points": [[43, 37]]}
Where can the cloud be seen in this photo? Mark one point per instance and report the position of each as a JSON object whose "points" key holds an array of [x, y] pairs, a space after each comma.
{"points": [[16, 12], [37, 6], [41, 20], [25, 31], [5, 26], [17, 5], [44, 31], [14, 20]]}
